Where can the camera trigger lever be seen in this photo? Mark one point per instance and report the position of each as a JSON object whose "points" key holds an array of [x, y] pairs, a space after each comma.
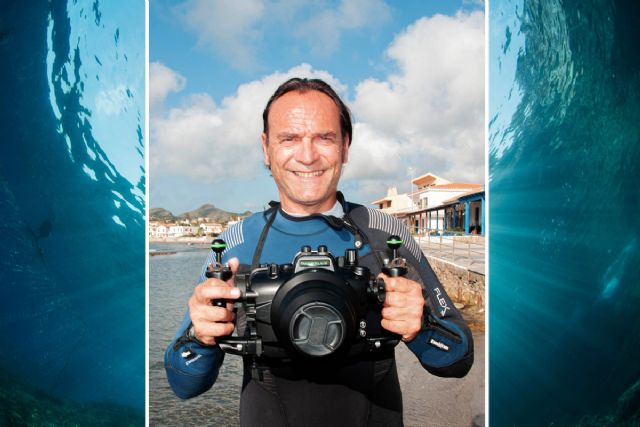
{"points": [[397, 266], [217, 270]]}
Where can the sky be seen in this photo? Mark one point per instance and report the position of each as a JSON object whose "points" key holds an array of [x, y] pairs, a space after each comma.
{"points": [[412, 73]]}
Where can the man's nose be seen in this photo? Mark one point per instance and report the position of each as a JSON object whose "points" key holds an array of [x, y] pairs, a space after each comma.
{"points": [[307, 152]]}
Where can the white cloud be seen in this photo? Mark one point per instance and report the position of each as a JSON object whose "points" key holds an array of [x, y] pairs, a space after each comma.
{"points": [[230, 28], [323, 30], [432, 110], [372, 155], [163, 80], [235, 31], [211, 142]]}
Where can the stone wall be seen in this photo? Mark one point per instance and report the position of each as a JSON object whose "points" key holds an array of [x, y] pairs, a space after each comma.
{"points": [[463, 286], [471, 238]]}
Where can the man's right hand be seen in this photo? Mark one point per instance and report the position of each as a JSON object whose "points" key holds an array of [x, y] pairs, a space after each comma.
{"points": [[209, 321]]}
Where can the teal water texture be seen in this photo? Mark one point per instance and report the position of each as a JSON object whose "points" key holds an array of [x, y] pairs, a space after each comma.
{"points": [[72, 294], [564, 151]]}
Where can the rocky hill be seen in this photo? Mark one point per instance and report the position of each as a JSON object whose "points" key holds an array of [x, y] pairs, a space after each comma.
{"points": [[157, 214], [205, 211]]}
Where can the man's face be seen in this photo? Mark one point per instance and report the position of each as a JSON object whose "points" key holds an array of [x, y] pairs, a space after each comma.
{"points": [[305, 150]]}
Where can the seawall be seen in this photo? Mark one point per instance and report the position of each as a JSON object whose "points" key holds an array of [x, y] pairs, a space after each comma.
{"points": [[463, 286]]}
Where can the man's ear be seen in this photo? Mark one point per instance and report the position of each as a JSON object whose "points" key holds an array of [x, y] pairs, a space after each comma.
{"points": [[345, 150], [265, 150]]}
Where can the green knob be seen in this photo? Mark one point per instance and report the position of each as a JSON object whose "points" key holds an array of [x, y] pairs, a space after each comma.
{"points": [[394, 242], [218, 246]]}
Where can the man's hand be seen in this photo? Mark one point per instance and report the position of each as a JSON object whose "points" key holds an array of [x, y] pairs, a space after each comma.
{"points": [[209, 321], [403, 305]]}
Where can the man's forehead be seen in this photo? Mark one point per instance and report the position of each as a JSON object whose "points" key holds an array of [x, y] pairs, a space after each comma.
{"points": [[307, 103]]}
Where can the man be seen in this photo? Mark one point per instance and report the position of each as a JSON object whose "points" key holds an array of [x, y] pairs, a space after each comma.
{"points": [[306, 139]]}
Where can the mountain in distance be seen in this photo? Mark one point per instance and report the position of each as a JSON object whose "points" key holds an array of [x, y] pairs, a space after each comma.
{"points": [[156, 214], [205, 211]]}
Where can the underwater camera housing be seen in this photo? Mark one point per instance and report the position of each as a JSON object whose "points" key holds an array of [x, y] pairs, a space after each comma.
{"points": [[317, 306]]}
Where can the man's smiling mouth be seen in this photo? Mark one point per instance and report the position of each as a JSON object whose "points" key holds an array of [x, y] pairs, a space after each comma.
{"points": [[308, 174]]}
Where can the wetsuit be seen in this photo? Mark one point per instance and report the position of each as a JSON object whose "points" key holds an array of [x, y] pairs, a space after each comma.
{"points": [[359, 392]]}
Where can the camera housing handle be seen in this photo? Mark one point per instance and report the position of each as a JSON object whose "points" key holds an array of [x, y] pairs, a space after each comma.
{"points": [[217, 270], [397, 266]]}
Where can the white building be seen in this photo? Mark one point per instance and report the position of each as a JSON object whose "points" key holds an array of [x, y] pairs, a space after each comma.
{"points": [[435, 205], [211, 228], [393, 202], [161, 230]]}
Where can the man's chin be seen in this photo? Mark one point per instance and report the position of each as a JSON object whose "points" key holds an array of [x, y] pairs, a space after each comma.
{"points": [[310, 204]]}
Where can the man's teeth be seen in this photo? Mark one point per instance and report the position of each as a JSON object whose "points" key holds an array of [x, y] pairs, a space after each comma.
{"points": [[308, 174]]}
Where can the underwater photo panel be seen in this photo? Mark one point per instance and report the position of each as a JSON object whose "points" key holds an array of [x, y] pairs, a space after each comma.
{"points": [[564, 151], [72, 200]]}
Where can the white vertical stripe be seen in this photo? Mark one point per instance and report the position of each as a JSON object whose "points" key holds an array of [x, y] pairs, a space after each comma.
{"points": [[389, 224], [233, 236]]}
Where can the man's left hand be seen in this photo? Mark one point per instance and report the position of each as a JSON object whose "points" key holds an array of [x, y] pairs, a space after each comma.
{"points": [[403, 305]]}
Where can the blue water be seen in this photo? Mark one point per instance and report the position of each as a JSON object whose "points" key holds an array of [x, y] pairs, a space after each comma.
{"points": [[72, 293], [171, 282], [564, 230]]}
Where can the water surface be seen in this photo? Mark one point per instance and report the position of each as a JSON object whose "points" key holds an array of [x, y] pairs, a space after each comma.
{"points": [[171, 282]]}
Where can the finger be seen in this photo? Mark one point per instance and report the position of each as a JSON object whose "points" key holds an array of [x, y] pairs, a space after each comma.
{"points": [[411, 313], [234, 263], [205, 340], [400, 284], [205, 312], [395, 299], [216, 289], [395, 326], [209, 313], [205, 330], [408, 330]]}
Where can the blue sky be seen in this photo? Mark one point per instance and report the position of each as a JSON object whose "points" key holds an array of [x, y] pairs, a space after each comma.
{"points": [[412, 73]]}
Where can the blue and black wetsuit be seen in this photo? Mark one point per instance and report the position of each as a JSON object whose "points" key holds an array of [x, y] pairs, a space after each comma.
{"points": [[358, 392]]}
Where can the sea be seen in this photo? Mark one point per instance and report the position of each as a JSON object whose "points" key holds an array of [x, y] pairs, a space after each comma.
{"points": [[173, 274], [72, 200], [564, 150]]}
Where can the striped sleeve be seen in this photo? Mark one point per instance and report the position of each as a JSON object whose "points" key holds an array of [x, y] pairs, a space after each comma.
{"points": [[444, 346], [391, 225]]}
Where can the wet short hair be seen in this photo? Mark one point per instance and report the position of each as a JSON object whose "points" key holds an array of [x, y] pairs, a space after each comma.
{"points": [[298, 84]]}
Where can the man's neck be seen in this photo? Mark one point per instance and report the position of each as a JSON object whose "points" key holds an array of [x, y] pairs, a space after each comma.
{"points": [[336, 210]]}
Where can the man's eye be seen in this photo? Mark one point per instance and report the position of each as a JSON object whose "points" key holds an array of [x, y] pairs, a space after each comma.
{"points": [[327, 139]]}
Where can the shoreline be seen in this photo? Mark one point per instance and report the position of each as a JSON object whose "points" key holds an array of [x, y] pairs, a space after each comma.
{"points": [[194, 240], [157, 253]]}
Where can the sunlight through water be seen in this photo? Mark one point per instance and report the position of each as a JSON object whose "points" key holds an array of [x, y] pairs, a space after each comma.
{"points": [[564, 150]]}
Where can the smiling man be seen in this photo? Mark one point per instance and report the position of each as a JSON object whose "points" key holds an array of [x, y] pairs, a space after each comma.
{"points": [[306, 139], [305, 148]]}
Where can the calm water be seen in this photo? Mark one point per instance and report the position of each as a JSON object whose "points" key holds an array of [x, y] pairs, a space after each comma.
{"points": [[564, 155], [171, 281], [72, 204]]}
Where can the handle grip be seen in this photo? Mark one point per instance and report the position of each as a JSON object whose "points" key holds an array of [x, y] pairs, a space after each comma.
{"points": [[216, 270], [397, 266]]}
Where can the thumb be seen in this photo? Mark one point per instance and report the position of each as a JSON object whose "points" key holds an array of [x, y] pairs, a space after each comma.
{"points": [[234, 263]]}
